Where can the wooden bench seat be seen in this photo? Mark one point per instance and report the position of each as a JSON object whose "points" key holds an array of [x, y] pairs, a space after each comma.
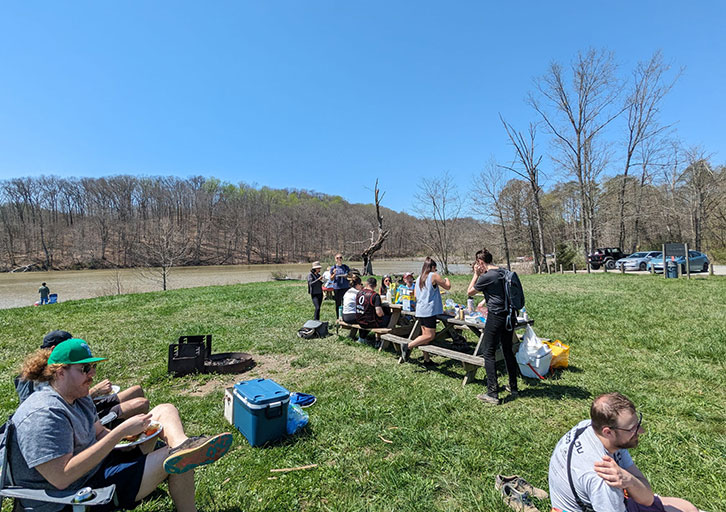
{"points": [[354, 328], [470, 362], [392, 338]]}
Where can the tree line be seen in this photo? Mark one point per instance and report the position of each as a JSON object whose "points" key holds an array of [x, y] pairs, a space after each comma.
{"points": [[616, 174]]}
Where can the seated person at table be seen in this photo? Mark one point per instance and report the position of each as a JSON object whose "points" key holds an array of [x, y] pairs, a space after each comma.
{"points": [[406, 289], [369, 309], [60, 443], [124, 404], [349, 299], [385, 286], [593, 460]]}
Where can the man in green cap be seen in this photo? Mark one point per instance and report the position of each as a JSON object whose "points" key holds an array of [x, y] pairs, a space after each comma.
{"points": [[60, 443]]}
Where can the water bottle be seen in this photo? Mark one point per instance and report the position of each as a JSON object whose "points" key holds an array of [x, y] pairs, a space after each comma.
{"points": [[525, 315], [470, 305]]}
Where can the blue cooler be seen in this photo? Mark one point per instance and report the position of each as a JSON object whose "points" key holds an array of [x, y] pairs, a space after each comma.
{"points": [[260, 410]]}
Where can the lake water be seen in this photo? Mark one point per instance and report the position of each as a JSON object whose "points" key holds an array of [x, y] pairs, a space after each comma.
{"points": [[21, 289]]}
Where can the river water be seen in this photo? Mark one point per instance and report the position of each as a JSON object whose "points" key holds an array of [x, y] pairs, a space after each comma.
{"points": [[21, 289]]}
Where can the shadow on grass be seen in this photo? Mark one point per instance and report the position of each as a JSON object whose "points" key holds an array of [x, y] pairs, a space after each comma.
{"points": [[554, 391]]}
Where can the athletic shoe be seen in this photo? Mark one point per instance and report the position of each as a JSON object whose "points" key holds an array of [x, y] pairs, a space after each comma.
{"points": [[488, 399], [521, 485], [516, 500], [197, 451]]}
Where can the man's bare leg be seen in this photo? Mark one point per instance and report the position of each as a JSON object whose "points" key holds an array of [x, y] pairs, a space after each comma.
{"points": [[181, 487], [677, 505], [173, 432], [129, 393]]}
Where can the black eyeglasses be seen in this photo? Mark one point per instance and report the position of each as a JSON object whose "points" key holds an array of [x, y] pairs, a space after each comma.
{"points": [[631, 429], [86, 368]]}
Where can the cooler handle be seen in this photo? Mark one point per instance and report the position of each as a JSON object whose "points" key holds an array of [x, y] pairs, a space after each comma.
{"points": [[274, 410]]}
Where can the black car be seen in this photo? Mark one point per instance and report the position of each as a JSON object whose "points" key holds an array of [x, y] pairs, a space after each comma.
{"points": [[606, 256]]}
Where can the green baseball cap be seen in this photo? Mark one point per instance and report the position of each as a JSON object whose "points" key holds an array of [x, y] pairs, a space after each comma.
{"points": [[73, 351]]}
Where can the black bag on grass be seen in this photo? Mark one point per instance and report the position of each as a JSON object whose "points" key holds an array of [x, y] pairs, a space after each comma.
{"points": [[313, 329]]}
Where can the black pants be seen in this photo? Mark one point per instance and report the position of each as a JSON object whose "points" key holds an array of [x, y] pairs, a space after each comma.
{"points": [[339, 300], [317, 302], [496, 334]]}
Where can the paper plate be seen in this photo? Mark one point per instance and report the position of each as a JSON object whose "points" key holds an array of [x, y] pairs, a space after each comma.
{"points": [[143, 437], [114, 389]]}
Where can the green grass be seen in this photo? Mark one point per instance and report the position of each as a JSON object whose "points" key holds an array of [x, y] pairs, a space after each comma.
{"points": [[661, 342]]}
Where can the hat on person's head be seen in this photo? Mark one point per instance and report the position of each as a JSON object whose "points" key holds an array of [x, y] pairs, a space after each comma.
{"points": [[73, 351], [53, 338], [406, 274], [316, 264]]}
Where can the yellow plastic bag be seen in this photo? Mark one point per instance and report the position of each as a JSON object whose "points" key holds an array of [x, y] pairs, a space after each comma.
{"points": [[560, 353]]}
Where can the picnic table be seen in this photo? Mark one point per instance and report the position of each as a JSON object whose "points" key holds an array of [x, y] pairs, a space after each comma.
{"points": [[458, 349]]}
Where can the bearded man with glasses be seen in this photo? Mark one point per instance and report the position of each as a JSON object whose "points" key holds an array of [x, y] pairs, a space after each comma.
{"points": [[591, 468], [59, 442]]}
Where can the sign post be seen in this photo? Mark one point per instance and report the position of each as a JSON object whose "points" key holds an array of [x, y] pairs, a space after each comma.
{"points": [[672, 251]]}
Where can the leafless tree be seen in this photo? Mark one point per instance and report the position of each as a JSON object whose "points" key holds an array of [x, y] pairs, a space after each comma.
{"points": [[439, 205], [377, 237], [576, 110], [642, 106], [529, 169], [485, 199], [163, 248], [700, 191]]}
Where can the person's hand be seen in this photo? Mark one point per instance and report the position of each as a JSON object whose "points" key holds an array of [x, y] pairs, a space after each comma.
{"points": [[614, 475], [478, 268], [134, 426], [101, 389]]}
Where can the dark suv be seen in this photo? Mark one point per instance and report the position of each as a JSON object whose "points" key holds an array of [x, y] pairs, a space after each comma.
{"points": [[605, 256]]}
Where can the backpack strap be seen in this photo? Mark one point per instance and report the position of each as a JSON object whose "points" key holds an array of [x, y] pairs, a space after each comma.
{"points": [[580, 503]]}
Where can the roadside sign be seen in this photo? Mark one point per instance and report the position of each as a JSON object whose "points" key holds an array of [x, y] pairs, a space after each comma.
{"points": [[677, 250]]}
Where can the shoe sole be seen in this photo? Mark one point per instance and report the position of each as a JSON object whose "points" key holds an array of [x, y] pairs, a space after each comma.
{"points": [[488, 401], [186, 460]]}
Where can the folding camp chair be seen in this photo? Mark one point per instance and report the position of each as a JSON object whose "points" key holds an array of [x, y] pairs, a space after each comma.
{"points": [[8, 489]]}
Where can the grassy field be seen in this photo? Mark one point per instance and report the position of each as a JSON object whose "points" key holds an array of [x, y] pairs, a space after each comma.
{"points": [[663, 343]]}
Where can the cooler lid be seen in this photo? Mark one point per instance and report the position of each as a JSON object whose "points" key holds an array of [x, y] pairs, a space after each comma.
{"points": [[261, 391]]}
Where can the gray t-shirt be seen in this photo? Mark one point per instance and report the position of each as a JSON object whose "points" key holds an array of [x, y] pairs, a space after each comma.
{"points": [[589, 486], [47, 427]]}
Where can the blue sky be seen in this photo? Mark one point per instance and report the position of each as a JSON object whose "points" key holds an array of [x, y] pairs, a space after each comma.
{"points": [[326, 96]]}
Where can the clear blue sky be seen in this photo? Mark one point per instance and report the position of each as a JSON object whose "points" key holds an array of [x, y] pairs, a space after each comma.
{"points": [[319, 95]]}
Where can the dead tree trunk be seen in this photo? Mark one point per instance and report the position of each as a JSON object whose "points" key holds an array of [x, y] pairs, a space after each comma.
{"points": [[377, 238]]}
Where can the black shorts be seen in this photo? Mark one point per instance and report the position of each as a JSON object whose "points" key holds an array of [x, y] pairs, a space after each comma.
{"points": [[125, 470], [427, 321], [106, 404]]}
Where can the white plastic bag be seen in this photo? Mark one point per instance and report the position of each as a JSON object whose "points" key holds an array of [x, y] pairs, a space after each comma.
{"points": [[533, 356]]}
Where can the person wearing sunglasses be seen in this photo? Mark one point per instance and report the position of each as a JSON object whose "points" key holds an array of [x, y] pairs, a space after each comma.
{"points": [[124, 404], [60, 443], [591, 467]]}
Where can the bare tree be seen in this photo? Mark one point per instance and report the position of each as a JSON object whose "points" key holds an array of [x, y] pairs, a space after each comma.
{"points": [[377, 238], [700, 189], [439, 205], [164, 247], [642, 107], [576, 115], [525, 154], [485, 199]]}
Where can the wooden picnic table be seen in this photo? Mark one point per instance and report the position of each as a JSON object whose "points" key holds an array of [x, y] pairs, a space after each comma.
{"points": [[439, 346]]}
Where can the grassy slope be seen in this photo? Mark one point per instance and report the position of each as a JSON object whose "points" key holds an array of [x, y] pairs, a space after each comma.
{"points": [[663, 343]]}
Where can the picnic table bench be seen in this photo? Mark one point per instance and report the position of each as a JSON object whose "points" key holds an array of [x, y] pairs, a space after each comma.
{"points": [[471, 361]]}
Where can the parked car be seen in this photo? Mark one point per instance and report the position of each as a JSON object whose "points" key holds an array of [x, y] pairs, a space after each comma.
{"points": [[697, 260], [638, 260], [605, 256]]}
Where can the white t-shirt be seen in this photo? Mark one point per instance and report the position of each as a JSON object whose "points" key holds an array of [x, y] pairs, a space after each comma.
{"points": [[349, 301], [590, 487]]}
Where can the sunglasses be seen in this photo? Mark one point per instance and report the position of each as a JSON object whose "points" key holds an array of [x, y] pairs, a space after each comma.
{"points": [[87, 367], [632, 429]]}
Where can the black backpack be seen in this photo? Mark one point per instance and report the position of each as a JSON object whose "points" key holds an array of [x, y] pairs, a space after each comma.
{"points": [[513, 296], [313, 329]]}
